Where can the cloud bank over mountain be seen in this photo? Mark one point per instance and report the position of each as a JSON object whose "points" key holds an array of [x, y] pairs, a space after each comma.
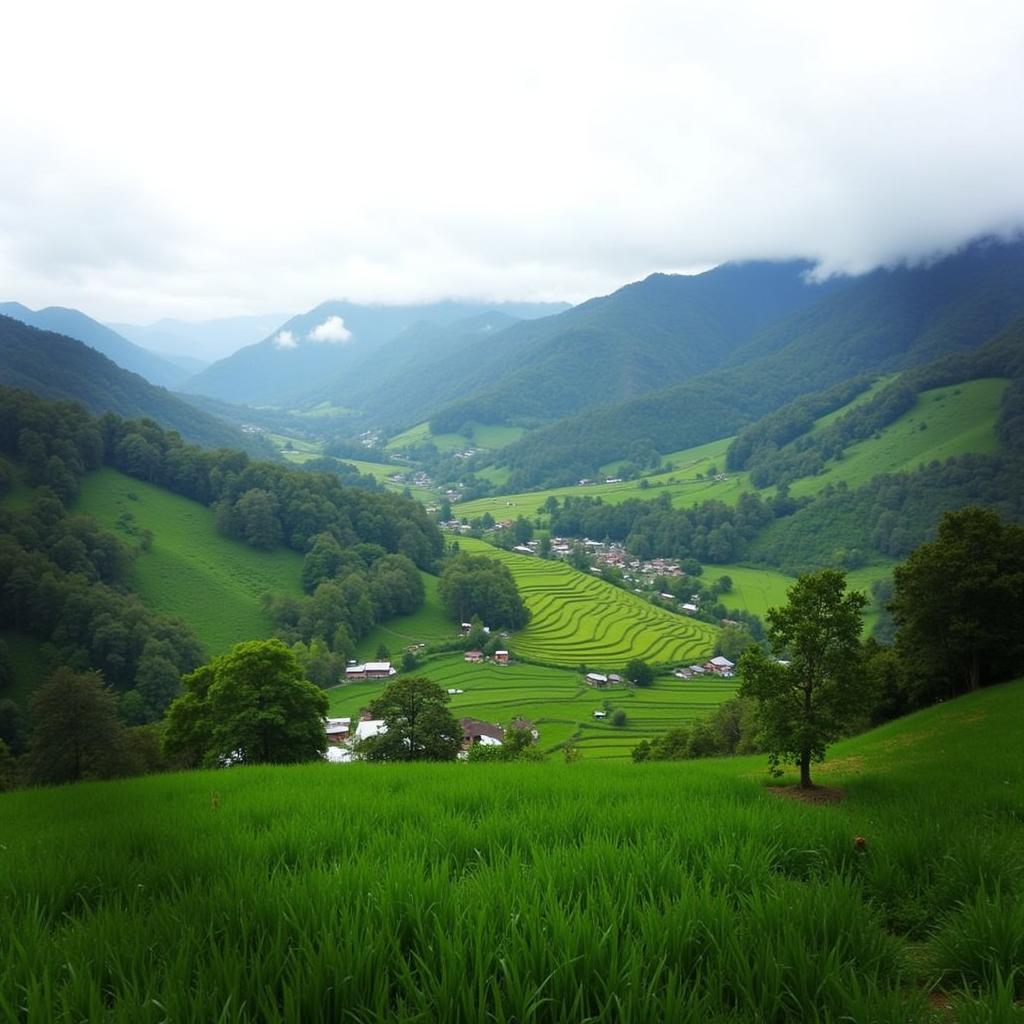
{"points": [[540, 152]]}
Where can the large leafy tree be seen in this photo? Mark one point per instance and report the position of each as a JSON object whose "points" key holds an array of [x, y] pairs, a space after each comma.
{"points": [[250, 704], [958, 603], [419, 725], [76, 730], [480, 586], [812, 688]]}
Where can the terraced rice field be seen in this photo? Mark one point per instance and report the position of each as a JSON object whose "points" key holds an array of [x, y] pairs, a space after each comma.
{"points": [[579, 620], [558, 702]]}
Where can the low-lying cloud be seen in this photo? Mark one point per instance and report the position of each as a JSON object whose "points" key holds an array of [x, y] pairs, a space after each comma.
{"points": [[285, 339], [331, 331]]}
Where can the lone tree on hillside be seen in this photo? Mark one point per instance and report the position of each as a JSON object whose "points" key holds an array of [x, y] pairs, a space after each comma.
{"points": [[250, 704], [639, 673], [419, 725], [804, 705], [958, 603]]}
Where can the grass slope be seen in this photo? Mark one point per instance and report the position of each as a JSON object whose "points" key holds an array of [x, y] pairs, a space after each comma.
{"points": [[558, 702], [428, 623], [194, 573], [604, 892], [485, 435], [579, 620]]}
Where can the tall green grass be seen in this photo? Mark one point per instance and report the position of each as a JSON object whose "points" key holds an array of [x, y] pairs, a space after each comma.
{"points": [[543, 893]]}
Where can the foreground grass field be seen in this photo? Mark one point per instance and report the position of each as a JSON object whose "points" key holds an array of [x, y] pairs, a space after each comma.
{"points": [[558, 702], [533, 893], [194, 573], [579, 620]]}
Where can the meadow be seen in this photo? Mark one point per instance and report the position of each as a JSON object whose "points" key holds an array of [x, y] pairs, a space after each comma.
{"points": [[683, 892], [484, 435], [558, 701], [211, 582], [579, 620]]}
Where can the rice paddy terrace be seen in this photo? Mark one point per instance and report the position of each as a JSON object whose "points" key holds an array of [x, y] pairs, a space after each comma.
{"points": [[558, 701], [579, 620]]}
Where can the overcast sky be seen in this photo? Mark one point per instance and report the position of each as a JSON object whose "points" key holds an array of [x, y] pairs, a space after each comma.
{"points": [[208, 159]]}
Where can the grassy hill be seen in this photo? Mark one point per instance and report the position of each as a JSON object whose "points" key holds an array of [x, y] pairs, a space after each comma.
{"points": [[682, 892], [192, 572]]}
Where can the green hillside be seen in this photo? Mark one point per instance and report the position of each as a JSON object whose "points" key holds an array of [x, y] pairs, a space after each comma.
{"points": [[482, 435], [579, 620], [558, 702], [210, 581], [681, 892], [427, 624]]}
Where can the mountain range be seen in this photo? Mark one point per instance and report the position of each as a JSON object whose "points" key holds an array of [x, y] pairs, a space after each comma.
{"points": [[200, 342]]}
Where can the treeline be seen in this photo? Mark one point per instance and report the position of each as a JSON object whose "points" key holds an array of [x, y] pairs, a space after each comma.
{"points": [[709, 532]]}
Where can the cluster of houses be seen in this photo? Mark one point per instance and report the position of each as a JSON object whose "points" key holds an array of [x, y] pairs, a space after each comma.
{"points": [[342, 739]]}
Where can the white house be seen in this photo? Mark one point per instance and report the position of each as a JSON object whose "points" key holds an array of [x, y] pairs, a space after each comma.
{"points": [[369, 728], [597, 679], [720, 665]]}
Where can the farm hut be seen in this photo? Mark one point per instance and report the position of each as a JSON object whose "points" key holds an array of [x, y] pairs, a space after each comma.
{"points": [[474, 656], [720, 666], [371, 670], [614, 679], [370, 727], [596, 679], [683, 673], [337, 729], [690, 609], [501, 657], [466, 628], [338, 755], [476, 732], [600, 714]]}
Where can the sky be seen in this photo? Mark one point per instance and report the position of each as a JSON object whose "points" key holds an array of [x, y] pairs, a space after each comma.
{"points": [[200, 160]]}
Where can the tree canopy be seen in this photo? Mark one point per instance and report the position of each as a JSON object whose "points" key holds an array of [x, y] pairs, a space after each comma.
{"points": [[419, 725], [958, 603], [250, 705], [475, 585], [812, 687]]}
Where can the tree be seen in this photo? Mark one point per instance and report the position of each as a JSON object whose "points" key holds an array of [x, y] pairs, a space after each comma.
{"points": [[733, 641], [419, 725], [639, 673], [804, 705], [76, 731], [958, 603], [250, 704], [257, 515], [480, 586]]}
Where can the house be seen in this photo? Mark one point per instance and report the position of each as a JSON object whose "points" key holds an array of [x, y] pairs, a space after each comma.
{"points": [[454, 691], [683, 673], [370, 727], [596, 679], [720, 666], [600, 714], [501, 657], [614, 679], [474, 656], [466, 628], [690, 609], [525, 723], [371, 670], [338, 754], [338, 729], [476, 732]]}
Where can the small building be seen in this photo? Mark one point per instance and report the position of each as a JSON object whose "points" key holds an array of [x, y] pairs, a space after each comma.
{"points": [[614, 679], [370, 670], [478, 733], [596, 679], [719, 665], [474, 656], [370, 727], [466, 628], [683, 673], [690, 608], [600, 714], [338, 729], [501, 657], [454, 691]]}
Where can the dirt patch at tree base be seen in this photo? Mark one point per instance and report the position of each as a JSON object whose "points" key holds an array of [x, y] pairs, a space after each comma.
{"points": [[814, 795]]}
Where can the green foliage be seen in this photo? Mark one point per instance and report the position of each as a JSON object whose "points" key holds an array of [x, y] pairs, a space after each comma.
{"points": [[639, 673], [806, 704], [76, 732], [419, 725], [958, 603], [518, 745], [473, 585], [250, 705]]}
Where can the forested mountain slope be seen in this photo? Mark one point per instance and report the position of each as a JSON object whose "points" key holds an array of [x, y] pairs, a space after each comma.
{"points": [[888, 320], [56, 367], [74, 324]]}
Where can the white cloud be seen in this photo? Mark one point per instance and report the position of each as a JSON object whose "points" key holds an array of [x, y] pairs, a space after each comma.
{"points": [[333, 329], [632, 138], [285, 339]]}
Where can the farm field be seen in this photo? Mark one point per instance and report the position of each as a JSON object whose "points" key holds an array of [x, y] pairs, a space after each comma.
{"points": [[944, 422], [557, 701], [485, 435], [682, 892], [577, 619], [428, 623], [211, 582]]}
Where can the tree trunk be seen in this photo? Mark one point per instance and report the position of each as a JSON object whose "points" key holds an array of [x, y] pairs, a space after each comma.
{"points": [[805, 770]]}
